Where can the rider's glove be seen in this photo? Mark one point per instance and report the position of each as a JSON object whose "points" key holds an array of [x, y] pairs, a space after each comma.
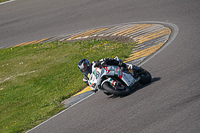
{"points": [[98, 64], [104, 61], [101, 63]]}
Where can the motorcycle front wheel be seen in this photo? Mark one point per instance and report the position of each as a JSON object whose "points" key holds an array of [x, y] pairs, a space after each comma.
{"points": [[106, 86]]}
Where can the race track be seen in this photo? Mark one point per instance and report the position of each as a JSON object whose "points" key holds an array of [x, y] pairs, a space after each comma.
{"points": [[171, 104]]}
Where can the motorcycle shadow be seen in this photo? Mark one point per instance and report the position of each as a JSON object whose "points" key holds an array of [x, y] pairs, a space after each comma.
{"points": [[139, 87]]}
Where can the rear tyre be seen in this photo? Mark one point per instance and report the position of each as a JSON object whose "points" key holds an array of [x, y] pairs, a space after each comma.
{"points": [[106, 86], [145, 77]]}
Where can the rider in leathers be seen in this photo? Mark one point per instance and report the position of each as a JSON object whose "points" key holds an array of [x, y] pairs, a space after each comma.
{"points": [[86, 67]]}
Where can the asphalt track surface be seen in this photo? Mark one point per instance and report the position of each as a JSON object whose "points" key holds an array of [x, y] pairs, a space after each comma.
{"points": [[170, 104]]}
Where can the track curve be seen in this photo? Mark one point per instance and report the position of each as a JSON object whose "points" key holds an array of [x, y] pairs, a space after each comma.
{"points": [[169, 104]]}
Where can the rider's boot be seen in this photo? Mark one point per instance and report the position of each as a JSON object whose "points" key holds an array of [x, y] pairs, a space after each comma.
{"points": [[132, 67]]}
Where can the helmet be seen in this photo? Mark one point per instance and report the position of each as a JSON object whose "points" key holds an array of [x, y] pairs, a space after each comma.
{"points": [[85, 66]]}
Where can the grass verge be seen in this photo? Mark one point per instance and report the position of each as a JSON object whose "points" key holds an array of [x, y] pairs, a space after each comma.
{"points": [[35, 78], [3, 1]]}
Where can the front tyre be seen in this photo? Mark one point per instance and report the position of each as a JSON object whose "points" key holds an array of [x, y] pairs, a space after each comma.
{"points": [[106, 86]]}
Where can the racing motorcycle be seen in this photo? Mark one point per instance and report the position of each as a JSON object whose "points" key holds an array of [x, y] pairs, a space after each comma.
{"points": [[118, 81]]}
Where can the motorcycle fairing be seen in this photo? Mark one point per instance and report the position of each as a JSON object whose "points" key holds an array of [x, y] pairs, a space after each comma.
{"points": [[95, 78], [127, 78]]}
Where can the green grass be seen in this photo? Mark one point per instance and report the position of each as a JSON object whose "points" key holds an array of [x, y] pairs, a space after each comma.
{"points": [[34, 79], [3, 0]]}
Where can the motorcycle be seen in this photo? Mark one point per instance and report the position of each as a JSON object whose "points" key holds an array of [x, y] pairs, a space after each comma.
{"points": [[118, 81]]}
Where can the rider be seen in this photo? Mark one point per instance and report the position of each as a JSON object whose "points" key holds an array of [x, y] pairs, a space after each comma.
{"points": [[86, 67]]}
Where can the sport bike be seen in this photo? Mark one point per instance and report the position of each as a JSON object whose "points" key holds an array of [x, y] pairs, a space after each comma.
{"points": [[115, 80]]}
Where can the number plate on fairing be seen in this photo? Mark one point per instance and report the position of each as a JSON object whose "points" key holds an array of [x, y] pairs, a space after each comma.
{"points": [[128, 79]]}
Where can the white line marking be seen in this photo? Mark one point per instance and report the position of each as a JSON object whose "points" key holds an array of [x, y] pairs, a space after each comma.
{"points": [[6, 2]]}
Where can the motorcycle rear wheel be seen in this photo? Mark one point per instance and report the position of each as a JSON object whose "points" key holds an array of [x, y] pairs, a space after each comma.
{"points": [[106, 86], [145, 77]]}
